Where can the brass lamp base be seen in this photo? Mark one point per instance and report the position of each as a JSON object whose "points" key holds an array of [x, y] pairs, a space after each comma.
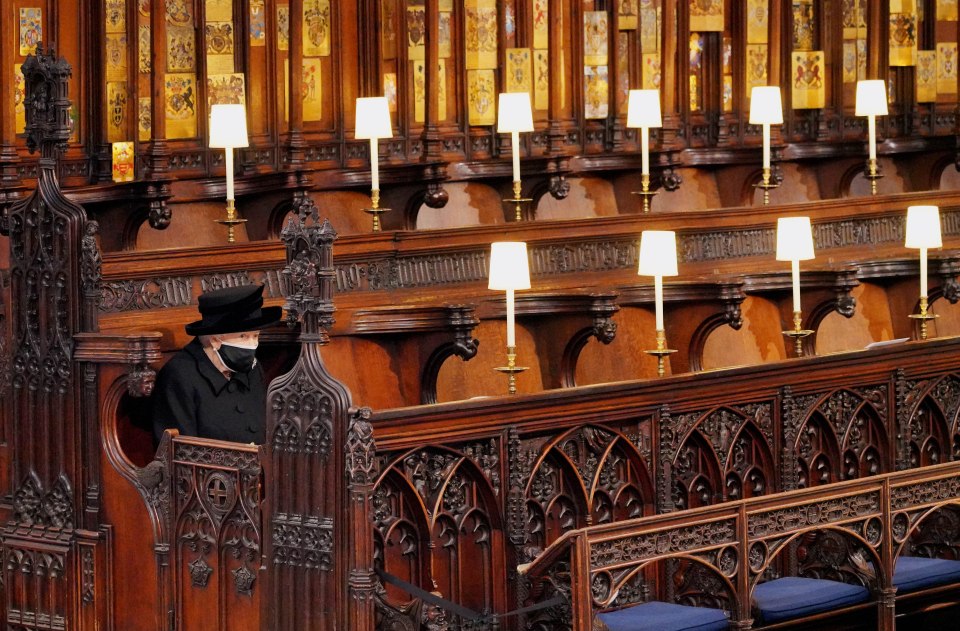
{"points": [[798, 333], [518, 203], [923, 316], [873, 175], [645, 192], [511, 369], [375, 209], [661, 352], [230, 221], [767, 184]]}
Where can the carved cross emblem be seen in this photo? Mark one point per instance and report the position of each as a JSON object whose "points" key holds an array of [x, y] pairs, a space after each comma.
{"points": [[218, 493]]}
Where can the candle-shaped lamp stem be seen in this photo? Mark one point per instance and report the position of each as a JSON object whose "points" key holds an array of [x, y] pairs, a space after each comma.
{"points": [[511, 320], [374, 164], [872, 135], [795, 282], [766, 146], [923, 272], [228, 163], [645, 151], [515, 148], [658, 300]]}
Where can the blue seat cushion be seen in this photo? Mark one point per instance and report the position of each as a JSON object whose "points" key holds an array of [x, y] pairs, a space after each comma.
{"points": [[660, 616], [912, 573], [794, 596]]}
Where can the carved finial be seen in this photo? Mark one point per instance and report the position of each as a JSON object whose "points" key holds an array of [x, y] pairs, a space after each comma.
{"points": [[47, 102], [308, 277]]}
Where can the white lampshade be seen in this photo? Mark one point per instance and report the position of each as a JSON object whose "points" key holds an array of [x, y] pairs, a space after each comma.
{"points": [[766, 106], [643, 109], [514, 113], [794, 239], [871, 98], [923, 227], [373, 118], [658, 253], [509, 268], [228, 126]]}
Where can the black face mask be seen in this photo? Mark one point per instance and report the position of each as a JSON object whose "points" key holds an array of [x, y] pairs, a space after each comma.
{"points": [[238, 358]]}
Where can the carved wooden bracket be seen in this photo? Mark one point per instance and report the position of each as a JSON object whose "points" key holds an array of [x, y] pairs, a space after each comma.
{"points": [[137, 351], [730, 295], [948, 269], [457, 321], [604, 329], [840, 282], [587, 312]]}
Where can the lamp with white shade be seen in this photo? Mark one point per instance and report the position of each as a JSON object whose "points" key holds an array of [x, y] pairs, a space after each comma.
{"points": [[795, 244], [509, 272], [923, 232], [228, 131], [658, 258], [872, 102], [643, 111], [373, 123], [514, 115], [766, 109]]}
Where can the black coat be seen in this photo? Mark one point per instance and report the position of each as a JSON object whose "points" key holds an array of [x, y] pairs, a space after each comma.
{"points": [[191, 395]]}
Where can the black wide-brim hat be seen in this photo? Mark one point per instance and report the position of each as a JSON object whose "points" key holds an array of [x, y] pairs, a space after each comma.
{"points": [[232, 310]]}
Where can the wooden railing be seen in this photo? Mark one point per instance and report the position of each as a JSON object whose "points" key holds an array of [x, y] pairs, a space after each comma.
{"points": [[523, 471], [850, 531]]}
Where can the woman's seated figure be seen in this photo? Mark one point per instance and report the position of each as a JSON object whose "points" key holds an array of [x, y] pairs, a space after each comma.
{"points": [[213, 387]]}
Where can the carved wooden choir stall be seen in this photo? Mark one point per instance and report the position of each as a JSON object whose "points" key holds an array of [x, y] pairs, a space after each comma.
{"points": [[746, 473]]}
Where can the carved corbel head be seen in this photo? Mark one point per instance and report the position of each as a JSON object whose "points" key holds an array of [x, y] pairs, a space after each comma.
{"points": [[604, 328], [140, 380], [436, 196], [733, 314], [559, 187], [670, 179]]}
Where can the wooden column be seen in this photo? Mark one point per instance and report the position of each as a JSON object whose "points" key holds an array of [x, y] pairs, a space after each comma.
{"points": [[555, 132], [158, 154], [10, 182], [296, 144], [776, 25], [878, 28], [615, 122], [669, 89], [432, 146]]}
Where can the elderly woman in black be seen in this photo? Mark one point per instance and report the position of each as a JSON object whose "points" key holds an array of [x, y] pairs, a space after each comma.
{"points": [[213, 387]]}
